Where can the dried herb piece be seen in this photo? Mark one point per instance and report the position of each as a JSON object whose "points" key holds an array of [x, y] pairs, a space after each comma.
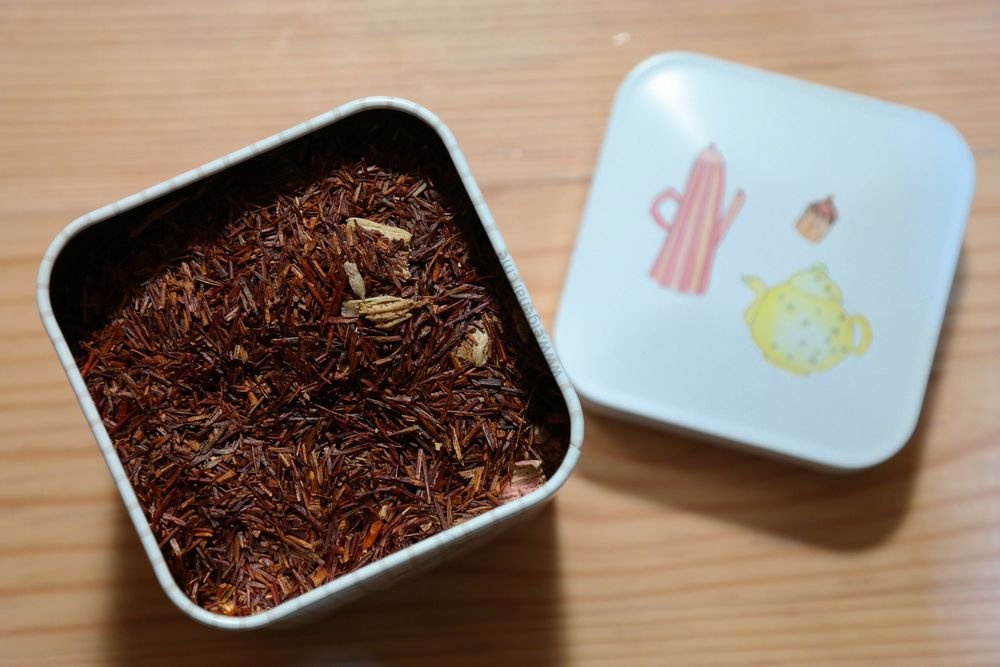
{"points": [[278, 433], [355, 279], [385, 312], [527, 477], [388, 231], [474, 348], [375, 249]]}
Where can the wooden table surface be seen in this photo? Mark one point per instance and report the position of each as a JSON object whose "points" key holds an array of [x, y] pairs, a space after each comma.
{"points": [[659, 550]]}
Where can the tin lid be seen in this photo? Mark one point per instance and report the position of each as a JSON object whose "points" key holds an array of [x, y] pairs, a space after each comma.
{"points": [[765, 261]]}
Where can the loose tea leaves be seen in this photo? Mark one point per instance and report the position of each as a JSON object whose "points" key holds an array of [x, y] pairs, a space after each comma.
{"points": [[278, 432]]}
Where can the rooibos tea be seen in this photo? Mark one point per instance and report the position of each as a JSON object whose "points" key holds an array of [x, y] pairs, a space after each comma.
{"points": [[310, 364]]}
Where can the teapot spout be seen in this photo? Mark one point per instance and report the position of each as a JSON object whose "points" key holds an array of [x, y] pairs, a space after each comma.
{"points": [[760, 290]]}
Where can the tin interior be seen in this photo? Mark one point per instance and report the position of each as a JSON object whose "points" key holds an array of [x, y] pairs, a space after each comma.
{"points": [[155, 233]]}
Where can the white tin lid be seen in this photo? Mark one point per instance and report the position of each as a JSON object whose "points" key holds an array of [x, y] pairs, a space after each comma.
{"points": [[765, 261]]}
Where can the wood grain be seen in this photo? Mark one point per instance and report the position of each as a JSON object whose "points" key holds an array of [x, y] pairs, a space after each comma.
{"points": [[659, 550]]}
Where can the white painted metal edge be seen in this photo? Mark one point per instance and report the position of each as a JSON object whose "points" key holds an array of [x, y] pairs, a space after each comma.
{"points": [[760, 443], [382, 572]]}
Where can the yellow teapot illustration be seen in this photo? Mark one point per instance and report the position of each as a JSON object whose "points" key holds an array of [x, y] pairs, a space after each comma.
{"points": [[801, 326]]}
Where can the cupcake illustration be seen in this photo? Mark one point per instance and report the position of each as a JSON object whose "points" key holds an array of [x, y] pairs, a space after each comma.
{"points": [[801, 325], [817, 220]]}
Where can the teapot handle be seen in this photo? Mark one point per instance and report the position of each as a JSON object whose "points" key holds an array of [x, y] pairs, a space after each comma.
{"points": [[866, 333]]}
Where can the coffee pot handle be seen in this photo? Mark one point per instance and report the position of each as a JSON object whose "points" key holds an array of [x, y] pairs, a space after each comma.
{"points": [[669, 193]]}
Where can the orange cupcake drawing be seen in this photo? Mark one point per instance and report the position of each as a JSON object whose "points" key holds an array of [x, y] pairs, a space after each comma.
{"points": [[817, 220]]}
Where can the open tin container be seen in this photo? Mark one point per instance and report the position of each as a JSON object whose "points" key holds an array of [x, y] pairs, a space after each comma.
{"points": [[57, 268]]}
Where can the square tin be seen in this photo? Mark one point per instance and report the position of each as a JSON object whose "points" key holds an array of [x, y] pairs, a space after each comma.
{"points": [[380, 573]]}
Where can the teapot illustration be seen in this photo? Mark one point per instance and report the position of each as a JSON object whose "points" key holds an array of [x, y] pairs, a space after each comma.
{"points": [[801, 326], [698, 227]]}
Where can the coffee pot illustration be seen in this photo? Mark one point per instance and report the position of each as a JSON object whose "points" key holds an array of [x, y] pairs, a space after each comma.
{"points": [[698, 226]]}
